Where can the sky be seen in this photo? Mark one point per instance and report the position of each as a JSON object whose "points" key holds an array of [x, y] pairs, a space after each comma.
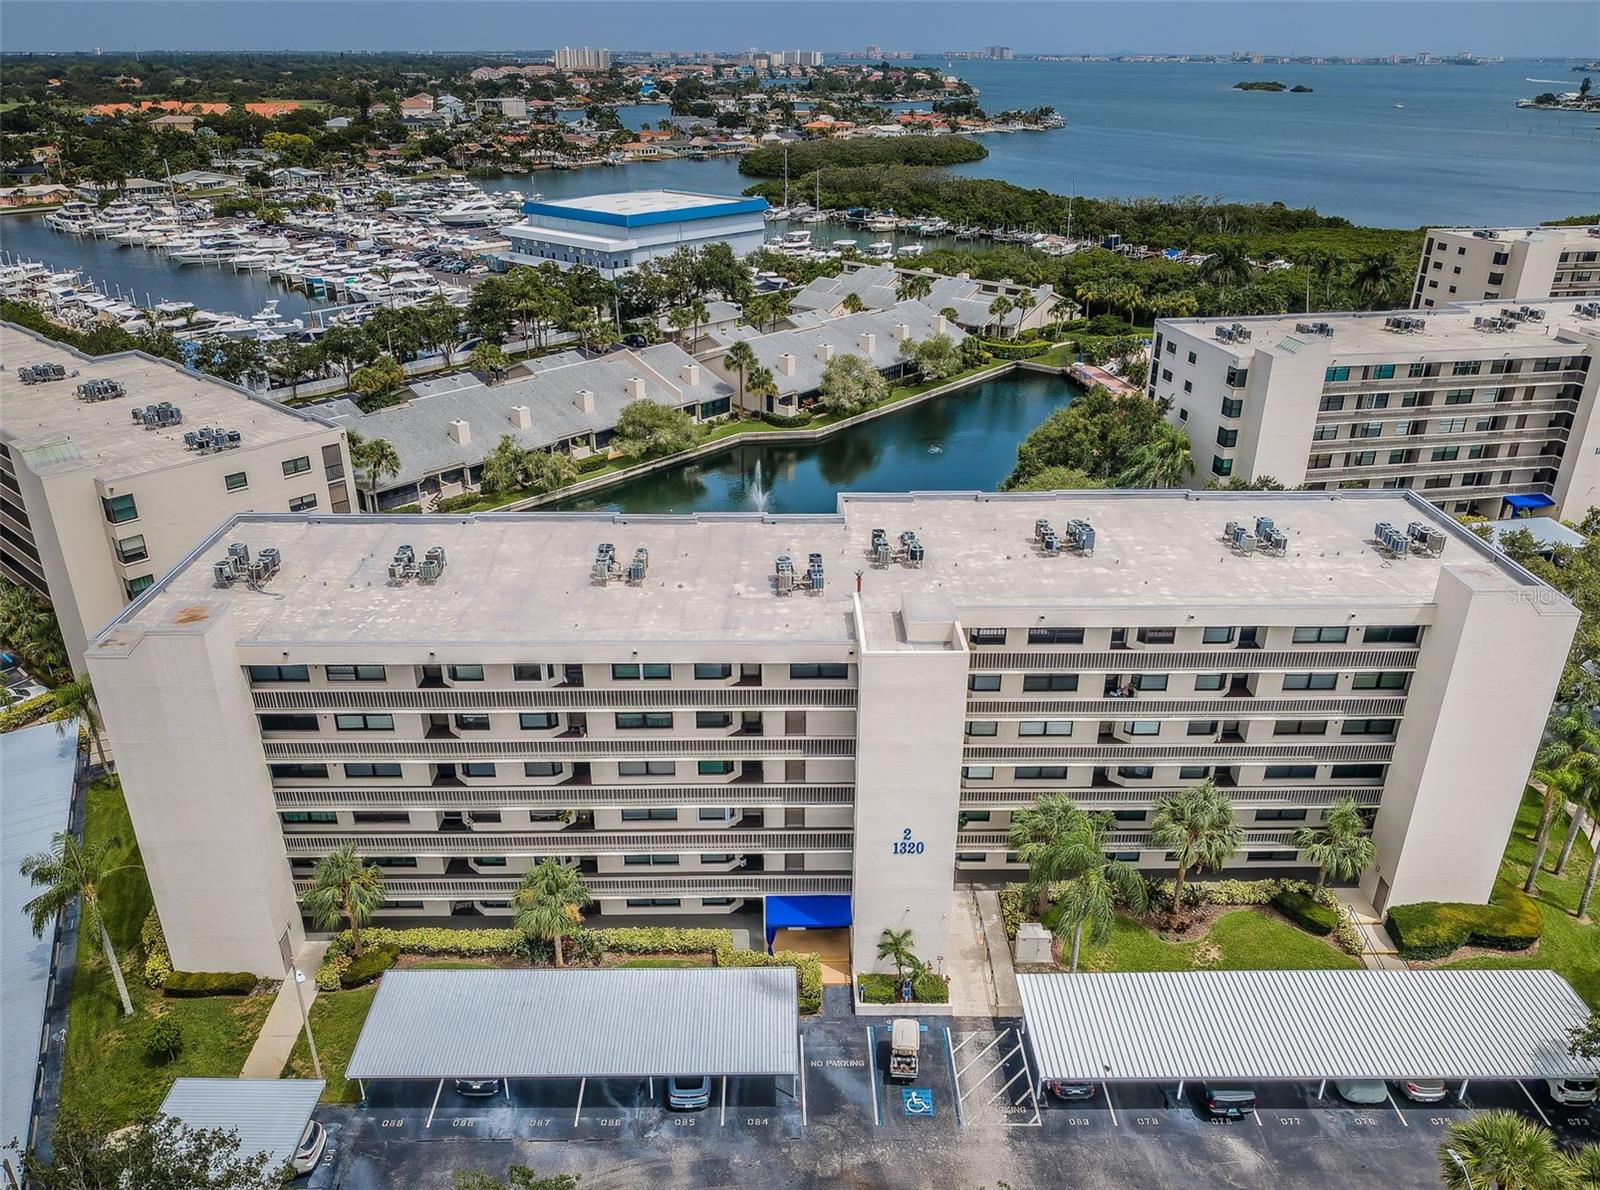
{"points": [[1514, 28]]}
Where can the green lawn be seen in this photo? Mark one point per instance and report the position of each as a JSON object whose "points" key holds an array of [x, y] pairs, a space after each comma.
{"points": [[1568, 946], [106, 1076], [336, 1020], [1243, 940]]}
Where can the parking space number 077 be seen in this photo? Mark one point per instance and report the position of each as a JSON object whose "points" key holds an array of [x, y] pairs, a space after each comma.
{"points": [[906, 845]]}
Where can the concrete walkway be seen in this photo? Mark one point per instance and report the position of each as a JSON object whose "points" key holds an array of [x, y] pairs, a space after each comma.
{"points": [[282, 1028], [968, 964], [1006, 999], [1378, 952]]}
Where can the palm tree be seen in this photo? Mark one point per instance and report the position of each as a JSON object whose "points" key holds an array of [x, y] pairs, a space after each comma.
{"points": [[698, 314], [998, 309], [1163, 462], [913, 287], [680, 320], [76, 699], [895, 945], [1339, 845], [377, 460], [343, 888], [1587, 777], [1324, 266], [1089, 900], [73, 870], [489, 358], [852, 304], [1088, 295], [503, 466], [1501, 1150], [1591, 802], [549, 903], [1228, 265], [1374, 277], [1131, 297], [1197, 826], [1566, 760], [1044, 836], [741, 357]]}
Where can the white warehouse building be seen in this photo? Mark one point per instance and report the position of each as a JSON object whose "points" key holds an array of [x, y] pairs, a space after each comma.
{"points": [[706, 733], [616, 233]]}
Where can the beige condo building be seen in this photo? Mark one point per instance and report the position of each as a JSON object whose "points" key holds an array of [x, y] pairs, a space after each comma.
{"points": [[1510, 264]]}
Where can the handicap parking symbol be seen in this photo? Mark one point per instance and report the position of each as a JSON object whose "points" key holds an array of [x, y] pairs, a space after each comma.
{"points": [[918, 1101]]}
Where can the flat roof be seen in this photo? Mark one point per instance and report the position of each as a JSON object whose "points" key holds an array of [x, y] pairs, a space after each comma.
{"points": [[642, 208], [525, 578], [1442, 328], [598, 1023], [38, 764], [1547, 531], [1568, 233], [71, 434], [270, 1114], [1302, 1025]]}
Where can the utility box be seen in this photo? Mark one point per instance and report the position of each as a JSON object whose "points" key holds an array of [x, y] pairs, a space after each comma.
{"points": [[1032, 944]]}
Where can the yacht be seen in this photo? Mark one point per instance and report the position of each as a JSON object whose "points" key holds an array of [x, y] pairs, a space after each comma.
{"points": [[881, 221], [71, 217], [909, 250], [792, 241], [879, 250], [477, 212]]}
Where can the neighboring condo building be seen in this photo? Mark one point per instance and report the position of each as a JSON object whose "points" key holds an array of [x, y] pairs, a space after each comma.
{"points": [[95, 503], [616, 233], [1481, 407], [692, 739], [582, 58], [1521, 264]]}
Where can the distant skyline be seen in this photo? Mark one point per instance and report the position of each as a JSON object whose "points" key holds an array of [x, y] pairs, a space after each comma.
{"points": [[1513, 28]]}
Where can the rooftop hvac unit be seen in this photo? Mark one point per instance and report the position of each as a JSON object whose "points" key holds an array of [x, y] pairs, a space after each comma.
{"points": [[1051, 543], [272, 558], [1533, 314], [433, 564], [784, 576], [239, 550], [639, 567], [1482, 233], [101, 390], [1390, 540], [1242, 540], [222, 572], [1081, 534], [41, 373], [814, 578], [1426, 539], [1241, 333], [879, 550]]}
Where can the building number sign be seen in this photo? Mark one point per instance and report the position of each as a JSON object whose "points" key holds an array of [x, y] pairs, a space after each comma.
{"points": [[906, 845]]}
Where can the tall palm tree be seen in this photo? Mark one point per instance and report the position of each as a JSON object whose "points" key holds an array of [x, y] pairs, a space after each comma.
{"points": [[680, 320], [697, 315], [75, 871], [377, 460], [741, 357], [76, 699], [1130, 297], [895, 945], [549, 903], [1044, 836], [1585, 774], [1197, 826], [1088, 294], [1228, 265], [1163, 462], [998, 309], [1591, 802], [913, 287], [1374, 278], [1324, 266], [1090, 898], [344, 888], [1501, 1150], [1568, 760], [1339, 845]]}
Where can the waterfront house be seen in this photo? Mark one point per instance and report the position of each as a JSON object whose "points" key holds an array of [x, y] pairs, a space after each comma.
{"points": [[876, 286]]}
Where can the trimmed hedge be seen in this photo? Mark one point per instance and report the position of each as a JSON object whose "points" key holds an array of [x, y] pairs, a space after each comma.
{"points": [[188, 984], [1025, 350], [25, 712], [157, 962], [1434, 929], [459, 502], [878, 989], [786, 423], [1312, 916], [594, 462], [374, 961], [926, 988]]}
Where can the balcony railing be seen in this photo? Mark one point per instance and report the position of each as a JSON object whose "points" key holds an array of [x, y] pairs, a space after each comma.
{"points": [[562, 797], [712, 884], [613, 842], [363, 746], [1287, 750], [548, 698], [1168, 658], [1197, 707], [1145, 795]]}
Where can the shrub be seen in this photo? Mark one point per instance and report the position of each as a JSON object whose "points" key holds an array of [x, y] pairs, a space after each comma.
{"points": [[163, 1040], [591, 463], [404, 508], [878, 989], [1434, 929], [157, 961], [1025, 350], [25, 712], [928, 988], [1347, 933], [189, 984], [374, 961], [459, 502], [786, 423], [1312, 916]]}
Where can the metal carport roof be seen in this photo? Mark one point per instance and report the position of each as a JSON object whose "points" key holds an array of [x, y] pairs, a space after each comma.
{"points": [[618, 1022], [1302, 1025], [270, 1114]]}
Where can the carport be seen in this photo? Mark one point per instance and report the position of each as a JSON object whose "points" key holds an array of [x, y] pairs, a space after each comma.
{"points": [[1301, 1026], [270, 1114], [579, 1025]]}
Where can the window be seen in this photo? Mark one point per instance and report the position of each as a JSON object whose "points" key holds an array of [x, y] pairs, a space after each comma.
{"points": [[355, 673], [1217, 636], [1336, 375], [373, 817], [297, 466], [1321, 636], [303, 503], [1279, 857], [1055, 636], [624, 673], [1382, 372], [1357, 771], [977, 772], [1041, 772], [1202, 727], [716, 857], [1452, 425], [1150, 681], [1368, 727], [489, 861], [1136, 772], [1361, 458], [279, 673], [653, 814], [299, 772], [1221, 466], [1310, 681], [466, 673], [361, 771], [132, 549], [1029, 727], [1209, 681], [1129, 815], [1232, 406], [1300, 727], [713, 719], [237, 482], [1458, 396], [982, 727], [1141, 727], [472, 723], [712, 672], [1194, 772], [120, 508], [1227, 437], [1369, 429], [364, 722], [1049, 682], [1290, 772], [976, 815], [640, 720], [1391, 634], [657, 902], [1325, 433], [1381, 680], [537, 720], [714, 813], [1237, 377], [288, 722], [713, 768], [1280, 815], [646, 768], [393, 861], [477, 769], [818, 670], [983, 683], [1156, 636], [527, 673], [986, 636], [648, 861], [541, 768], [297, 817], [1466, 367], [1445, 454], [656, 672]]}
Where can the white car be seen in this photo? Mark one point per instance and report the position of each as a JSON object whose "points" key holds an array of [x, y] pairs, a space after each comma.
{"points": [[1366, 1091], [309, 1151], [1574, 1092]]}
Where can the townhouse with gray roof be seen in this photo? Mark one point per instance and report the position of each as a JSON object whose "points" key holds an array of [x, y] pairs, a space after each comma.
{"points": [[876, 286]]}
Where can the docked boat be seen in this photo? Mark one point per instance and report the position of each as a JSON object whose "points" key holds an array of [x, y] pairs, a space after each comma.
{"points": [[477, 212]]}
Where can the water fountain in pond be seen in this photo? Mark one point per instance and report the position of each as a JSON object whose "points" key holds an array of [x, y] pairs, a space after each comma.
{"points": [[756, 495]]}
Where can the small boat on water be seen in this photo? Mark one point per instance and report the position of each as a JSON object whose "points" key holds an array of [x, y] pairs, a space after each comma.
{"points": [[1399, 105]]}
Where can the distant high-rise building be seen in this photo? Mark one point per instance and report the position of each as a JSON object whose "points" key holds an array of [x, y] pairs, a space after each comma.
{"points": [[585, 58], [794, 58], [874, 51], [1002, 52]]}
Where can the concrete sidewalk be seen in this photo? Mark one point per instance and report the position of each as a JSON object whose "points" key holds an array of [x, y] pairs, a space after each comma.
{"points": [[1378, 952], [1006, 999], [282, 1028]]}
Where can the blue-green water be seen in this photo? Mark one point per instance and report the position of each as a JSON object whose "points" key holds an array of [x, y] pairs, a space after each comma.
{"points": [[965, 441]]}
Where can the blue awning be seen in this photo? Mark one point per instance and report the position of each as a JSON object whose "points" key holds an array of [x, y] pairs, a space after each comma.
{"points": [[1529, 501], [805, 913]]}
